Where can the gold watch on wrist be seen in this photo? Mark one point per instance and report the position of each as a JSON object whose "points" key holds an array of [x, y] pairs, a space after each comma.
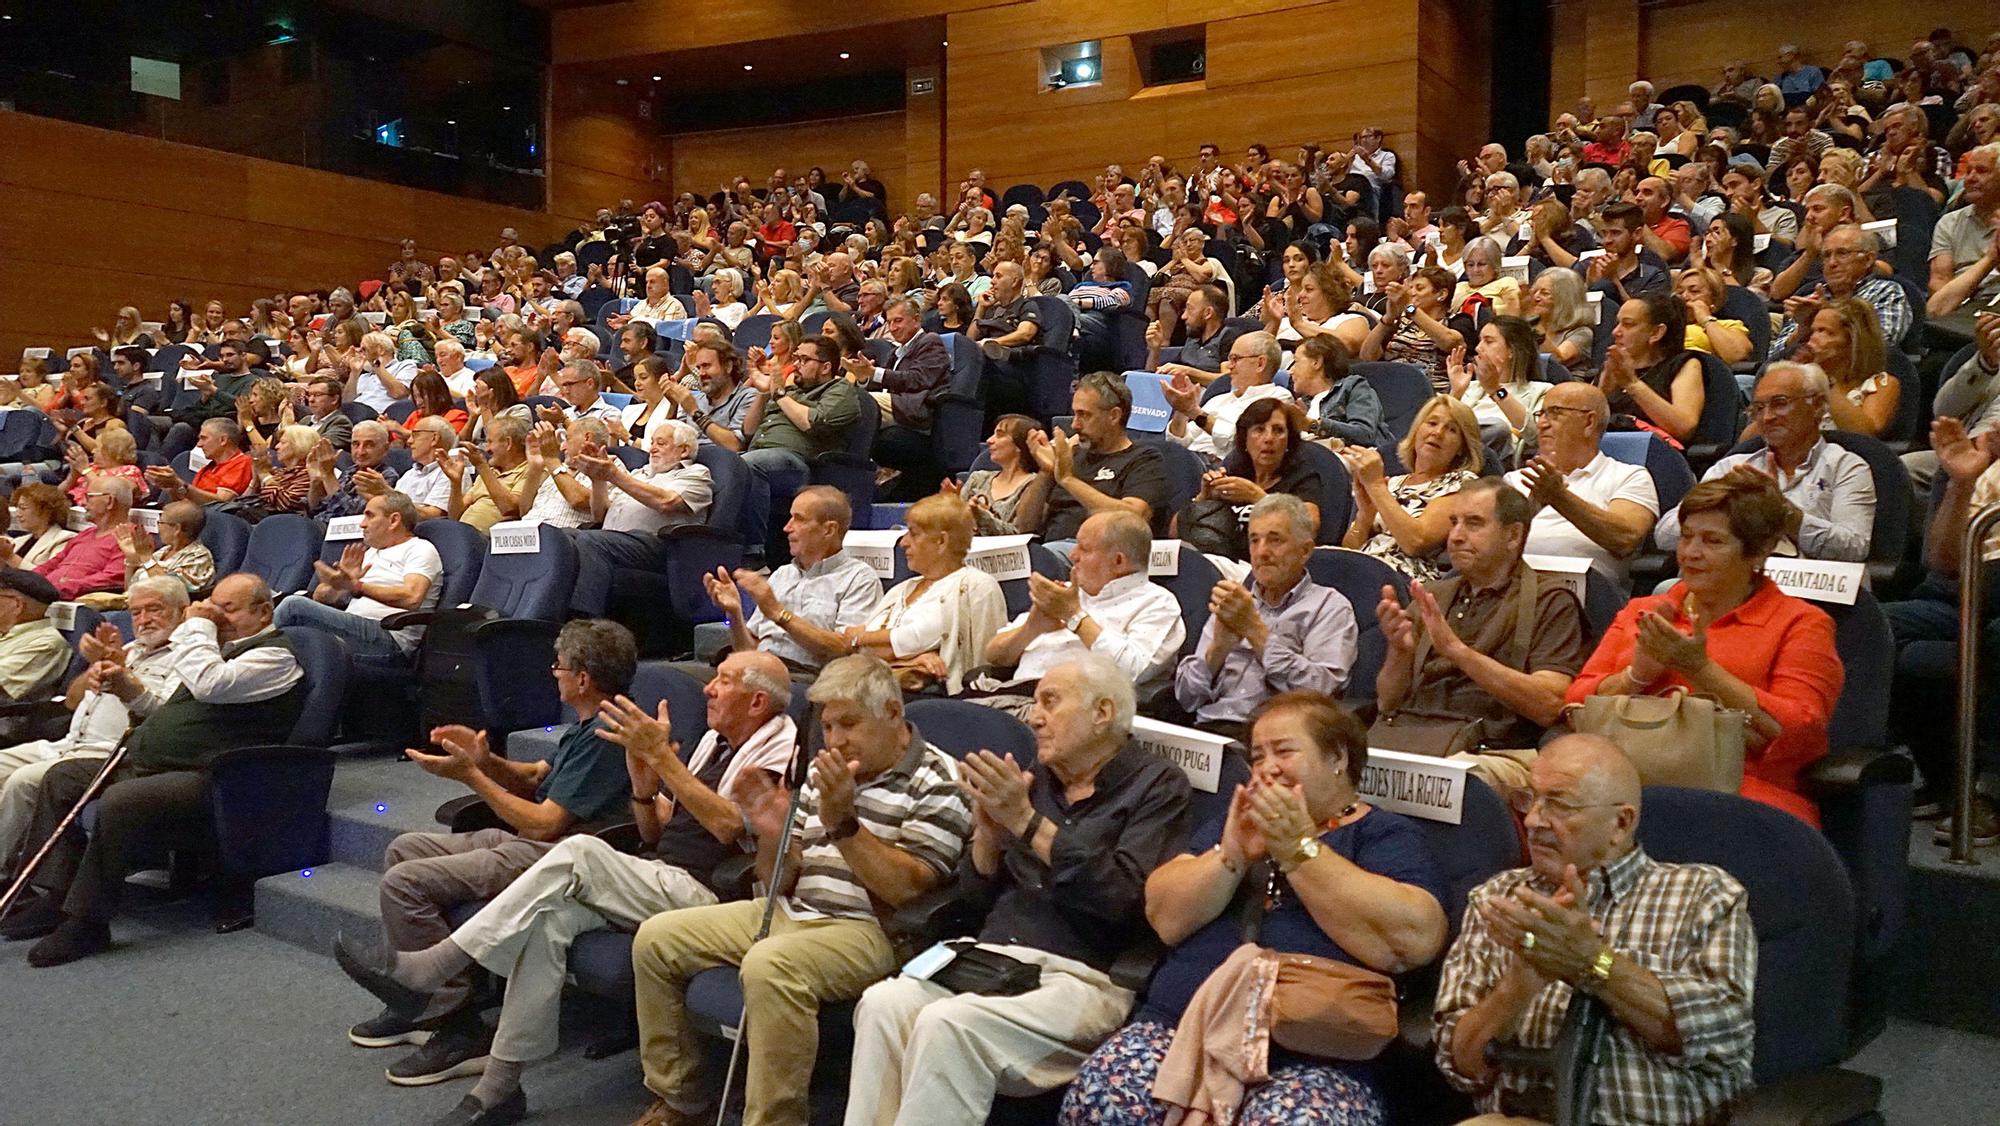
{"points": [[1598, 973], [1308, 848]]}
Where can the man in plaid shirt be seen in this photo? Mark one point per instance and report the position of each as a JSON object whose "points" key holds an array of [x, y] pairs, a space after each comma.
{"points": [[1668, 948]]}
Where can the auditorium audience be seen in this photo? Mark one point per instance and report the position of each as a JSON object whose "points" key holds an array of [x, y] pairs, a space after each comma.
{"points": [[1667, 948], [1846, 344], [40, 512], [1965, 246], [1402, 519], [1109, 471], [933, 627], [1651, 381], [533, 805], [1011, 499], [1587, 504], [390, 570], [33, 655], [1206, 424], [91, 560]]}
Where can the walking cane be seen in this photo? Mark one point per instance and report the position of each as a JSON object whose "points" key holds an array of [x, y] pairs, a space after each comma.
{"points": [[763, 932], [90, 793]]}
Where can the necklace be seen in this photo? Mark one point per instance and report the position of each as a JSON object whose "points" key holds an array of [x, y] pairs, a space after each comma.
{"points": [[1275, 882]]}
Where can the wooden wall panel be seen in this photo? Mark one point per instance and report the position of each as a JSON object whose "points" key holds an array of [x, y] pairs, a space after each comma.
{"points": [[97, 219], [1454, 91], [600, 150], [644, 27], [702, 161]]}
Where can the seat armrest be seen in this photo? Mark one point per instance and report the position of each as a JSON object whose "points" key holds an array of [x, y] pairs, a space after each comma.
{"points": [[937, 914], [279, 753], [403, 619], [624, 837], [1852, 768], [1814, 1098], [1133, 967], [497, 625], [13, 709], [468, 814]]}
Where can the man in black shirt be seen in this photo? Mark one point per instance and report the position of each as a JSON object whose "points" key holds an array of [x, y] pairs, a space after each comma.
{"points": [[1061, 849], [1111, 471], [688, 823], [1208, 337]]}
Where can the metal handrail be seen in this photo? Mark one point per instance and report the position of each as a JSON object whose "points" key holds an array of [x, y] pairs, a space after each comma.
{"points": [[1971, 584]]}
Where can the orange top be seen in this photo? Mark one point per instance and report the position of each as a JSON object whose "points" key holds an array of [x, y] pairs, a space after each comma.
{"points": [[1777, 644]]}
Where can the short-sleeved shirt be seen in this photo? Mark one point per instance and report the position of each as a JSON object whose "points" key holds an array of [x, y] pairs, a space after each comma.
{"points": [[1485, 619], [389, 566], [480, 511], [689, 480], [1383, 843], [587, 775], [1139, 470], [1207, 354], [1965, 235], [729, 413], [915, 806], [1003, 318], [1600, 482], [232, 473], [836, 593]]}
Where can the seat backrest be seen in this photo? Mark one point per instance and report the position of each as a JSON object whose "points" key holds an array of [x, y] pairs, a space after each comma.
{"points": [[1058, 322], [1895, 494], [1336, 499], [462, 550], [1905, 425], [84, 621], [861, 434], [1868, 657], [1184, 470], [1672, 477], [282, 550], [227, 537], [1361, 578], [529, 585], [687, 707], [754, 331], [1721, 406], [1204, 807], [731, 480], [1602, 599], [960, 727], [1403, 388], [1801, 905], [1192, 587], [323, 658], [1482, 845], [400, 411], [358, 412], [1744, 305]]}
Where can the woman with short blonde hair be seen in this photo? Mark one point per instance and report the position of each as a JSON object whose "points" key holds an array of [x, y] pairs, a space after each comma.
{"points": [[933, 628]]}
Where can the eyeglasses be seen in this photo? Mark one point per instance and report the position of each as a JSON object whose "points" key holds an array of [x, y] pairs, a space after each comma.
{"points": [[1234, 358], [1525, 801], [1554, 413], [1776, 404], [1847, 252], [558, 666]]}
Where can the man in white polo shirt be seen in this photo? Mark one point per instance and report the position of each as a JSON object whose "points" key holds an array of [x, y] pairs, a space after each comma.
{"points": [[1587, 504], [1209, 428], [390, 570], [633, 506]]}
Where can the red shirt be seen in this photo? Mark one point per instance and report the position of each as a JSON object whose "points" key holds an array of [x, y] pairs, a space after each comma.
{"points": [[232, 473], [90, 561], [1779, 645], [1675, 232], [775, 239], [1596, 152]]}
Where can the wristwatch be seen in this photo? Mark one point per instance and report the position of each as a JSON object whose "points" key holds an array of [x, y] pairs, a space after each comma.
{"points": [[844, 829], [785, 618], [1307, 849], [1499, 393], [1074, 620], [1598, 974]]}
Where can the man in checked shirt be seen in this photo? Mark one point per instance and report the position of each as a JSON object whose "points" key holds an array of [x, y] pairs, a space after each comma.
{"points": [[1668, 948]]}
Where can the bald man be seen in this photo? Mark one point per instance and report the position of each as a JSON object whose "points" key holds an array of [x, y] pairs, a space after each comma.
{"points": [[689, 823], [1593, 912], [1587, 504]]}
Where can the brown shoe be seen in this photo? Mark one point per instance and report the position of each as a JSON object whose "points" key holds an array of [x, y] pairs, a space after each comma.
{"points": [[1985, 824], [662, 1114]]}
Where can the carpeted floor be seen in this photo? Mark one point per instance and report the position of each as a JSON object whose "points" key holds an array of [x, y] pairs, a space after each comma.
{"points": [[179, 1026]]}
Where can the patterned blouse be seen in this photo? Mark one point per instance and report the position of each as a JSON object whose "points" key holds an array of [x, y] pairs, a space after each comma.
{"points": [[1415, 498]]}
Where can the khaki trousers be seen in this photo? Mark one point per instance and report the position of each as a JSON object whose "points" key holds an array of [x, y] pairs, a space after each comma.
{"points": [[1507, 771], [786, 978]]}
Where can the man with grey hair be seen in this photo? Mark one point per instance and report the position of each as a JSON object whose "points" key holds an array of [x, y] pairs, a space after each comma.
{"points": [[1593, 191], [104, 701], [1006, 324], [1831, 486], [1278, 632], [1208, 426], [1965, 246], [1109, 606], [391, 570], [91, 560], [336, 492], [1061, 849], [496, 476], [881, 821], [426, 484], [688, 823], [1827, 206], [635, 507], [425, 875], [1847, 256], [577, 386], [800, 613], [1640, 93]]}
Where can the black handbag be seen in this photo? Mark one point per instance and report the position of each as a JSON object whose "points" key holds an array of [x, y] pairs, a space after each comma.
{"points": [[989, 973]]}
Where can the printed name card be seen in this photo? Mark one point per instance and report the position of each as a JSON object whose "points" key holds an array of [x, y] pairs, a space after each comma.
{"points": [[376, 319], [1760, 243], [1818, 580], [1003, 557], [62, 615], [1415, 785], [516, 537], [875, 548], [148, 519], [349, 528], [151, 326], [1884, 231], [1596, 299], [1566, 571], [79, 517], [1197, 753], [1515, 266], [1166, 559], [35, 353], [73, 353]]}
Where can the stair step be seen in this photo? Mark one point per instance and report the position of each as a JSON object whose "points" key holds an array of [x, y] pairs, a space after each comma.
{"points": [[308, 909], [375, 800]]}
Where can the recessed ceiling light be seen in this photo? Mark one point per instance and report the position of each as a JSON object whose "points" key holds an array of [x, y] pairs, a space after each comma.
{"points": [[451, 121], [623, 82], [947, 43], [505, 108], [747, 66], [658, 78], [846, 55]]}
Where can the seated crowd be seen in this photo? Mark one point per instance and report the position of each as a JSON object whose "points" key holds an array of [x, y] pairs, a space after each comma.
{"points": [[1337, 373]]}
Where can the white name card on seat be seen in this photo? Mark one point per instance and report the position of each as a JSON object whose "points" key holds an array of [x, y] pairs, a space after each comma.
{"points": [[1166, 558], [875, 548], [1003, 557], [1884, 231], [1760, 243], [376, 319], [147, 518], [1818, 580], [73, 353], [349, 528], [35, 353], [150, 327], [1197, 753], [1415, 785], [515, 537], [1585, 256], [1566, 571], [1515, 266], [62, 615], [1596, 299], [79, 517]]}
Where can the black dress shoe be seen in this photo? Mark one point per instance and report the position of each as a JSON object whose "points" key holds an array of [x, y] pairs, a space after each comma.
{"points": [[75, 939], [400, 999], [38, 919], [472, 1112]]}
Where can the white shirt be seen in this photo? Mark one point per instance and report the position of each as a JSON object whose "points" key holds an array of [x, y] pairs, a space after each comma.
{"points": [[427, 485], [1219, 440], [101, 718], [769, 748], [389, 566], [624, 512], [551, 507], [731, 314], [1833, 488], [1602, 481], [369, 388], [264, 673], [598, 408], [833, 594], [1139, 626], [459, 383], [669, 309]]}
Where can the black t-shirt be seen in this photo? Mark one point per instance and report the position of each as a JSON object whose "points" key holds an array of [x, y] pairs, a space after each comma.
{"points": [[1139, 470]]}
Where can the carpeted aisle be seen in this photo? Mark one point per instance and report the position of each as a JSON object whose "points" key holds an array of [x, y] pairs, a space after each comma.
{"points": [[178, 1026]]}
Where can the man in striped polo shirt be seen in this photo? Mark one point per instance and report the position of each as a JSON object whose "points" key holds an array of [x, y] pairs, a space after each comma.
{"points": [[881, 821]]}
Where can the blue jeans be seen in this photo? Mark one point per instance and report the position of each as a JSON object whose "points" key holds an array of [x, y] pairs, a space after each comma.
{"points": [[776, 476], [365, 637]]}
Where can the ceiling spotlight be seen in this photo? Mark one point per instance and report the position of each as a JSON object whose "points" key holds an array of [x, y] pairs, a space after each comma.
{"points": [[657, 78], [505, 108], [451, 121], [747, 66], [624, 82], [846, 55]]}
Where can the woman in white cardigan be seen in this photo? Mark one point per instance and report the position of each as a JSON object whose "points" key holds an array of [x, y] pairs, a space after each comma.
{"points": [[933, 628]]}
